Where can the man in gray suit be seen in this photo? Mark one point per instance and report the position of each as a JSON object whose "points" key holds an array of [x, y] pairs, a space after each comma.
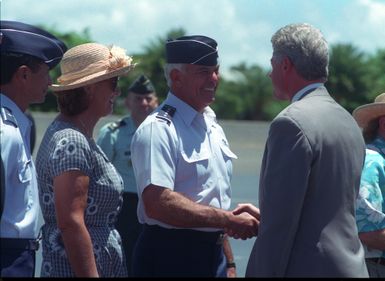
{"points": [[310, 172]]}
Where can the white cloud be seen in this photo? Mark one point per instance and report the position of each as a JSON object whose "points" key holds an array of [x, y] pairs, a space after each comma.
{"points": [[360, 23], [376, 12], [243, 28]]}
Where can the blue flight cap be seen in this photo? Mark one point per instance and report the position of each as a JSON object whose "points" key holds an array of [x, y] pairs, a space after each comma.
{"points": [[142, 86], [195, 49], [20, 38]]}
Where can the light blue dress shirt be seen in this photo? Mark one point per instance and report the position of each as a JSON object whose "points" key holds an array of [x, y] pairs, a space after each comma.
{"points": [[115, 140], [370, 213], [21, 204], [186, 152], [304, 91]]}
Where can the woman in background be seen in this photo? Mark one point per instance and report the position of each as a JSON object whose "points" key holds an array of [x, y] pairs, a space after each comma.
{"points": [[370, 209]]}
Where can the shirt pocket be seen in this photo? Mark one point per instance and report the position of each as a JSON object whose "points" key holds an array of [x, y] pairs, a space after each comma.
{"points": [[194, 172], [24, 167]]}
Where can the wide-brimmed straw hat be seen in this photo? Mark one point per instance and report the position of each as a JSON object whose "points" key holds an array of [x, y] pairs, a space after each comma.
{"points": [[90, 63], [365, 113]]}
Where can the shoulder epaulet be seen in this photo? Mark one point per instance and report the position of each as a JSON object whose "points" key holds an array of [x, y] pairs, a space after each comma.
{"points": [[7, 116], [166, 113], [115, 125]]}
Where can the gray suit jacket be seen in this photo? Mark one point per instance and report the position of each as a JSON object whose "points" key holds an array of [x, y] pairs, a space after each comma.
{"points": [[309, 181]]}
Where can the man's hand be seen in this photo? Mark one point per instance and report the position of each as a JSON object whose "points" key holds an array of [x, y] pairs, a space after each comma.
{"points": [[249, 216]]}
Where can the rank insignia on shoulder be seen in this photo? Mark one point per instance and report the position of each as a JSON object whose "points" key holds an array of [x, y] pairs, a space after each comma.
{"points": [[166, 113], [7, 116], [114, 125]]}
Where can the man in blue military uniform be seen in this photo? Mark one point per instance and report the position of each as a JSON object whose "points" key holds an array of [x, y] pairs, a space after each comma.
{"points": [[115, 140], [27, 55], [183, 168]]}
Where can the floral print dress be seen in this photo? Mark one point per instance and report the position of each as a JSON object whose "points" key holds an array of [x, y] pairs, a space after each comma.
{"points": [[65, 148], [370, 213]]}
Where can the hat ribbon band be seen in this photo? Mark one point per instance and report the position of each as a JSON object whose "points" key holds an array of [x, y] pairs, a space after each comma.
{"points": [[108, 65], [89, 70]]}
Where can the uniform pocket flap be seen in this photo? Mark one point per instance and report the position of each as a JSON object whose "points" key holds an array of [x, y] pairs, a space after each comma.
{"points": [[226, 150], [195, 156]]}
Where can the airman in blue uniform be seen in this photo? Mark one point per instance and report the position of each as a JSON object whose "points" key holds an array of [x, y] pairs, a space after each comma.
{"points": [[27, 55], [183, 167]]}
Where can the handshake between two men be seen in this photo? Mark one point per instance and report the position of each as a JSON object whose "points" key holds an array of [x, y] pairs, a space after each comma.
{"points": [[244, 222]]}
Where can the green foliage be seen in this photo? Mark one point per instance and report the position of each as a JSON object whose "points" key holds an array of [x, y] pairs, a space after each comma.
{"points": [[152, 60], [347, 76], [149, 63], [248, 93], [376, 74], [355, 78], [71, 39]]}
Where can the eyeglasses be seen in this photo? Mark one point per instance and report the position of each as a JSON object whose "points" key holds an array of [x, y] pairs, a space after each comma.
{"points": [[114, 83]]}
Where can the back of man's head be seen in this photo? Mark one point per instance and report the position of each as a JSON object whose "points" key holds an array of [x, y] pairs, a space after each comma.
{"points": [[306, 48]]}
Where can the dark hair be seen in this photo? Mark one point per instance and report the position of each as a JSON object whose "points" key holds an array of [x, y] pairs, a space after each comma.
{"points": [[72, 102], [10, 63], [370, 132]]}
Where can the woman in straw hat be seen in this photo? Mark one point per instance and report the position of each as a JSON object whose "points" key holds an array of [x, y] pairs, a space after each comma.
{"points": [[80, 190], [371, 200]]}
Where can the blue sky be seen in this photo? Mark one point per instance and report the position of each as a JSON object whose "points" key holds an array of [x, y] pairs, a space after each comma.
{"points": [[243, 28]]}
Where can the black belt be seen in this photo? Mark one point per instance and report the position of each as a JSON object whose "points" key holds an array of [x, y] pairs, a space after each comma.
{"points": [[19, 243], [216, 237], [130, 195], [377, 260]]}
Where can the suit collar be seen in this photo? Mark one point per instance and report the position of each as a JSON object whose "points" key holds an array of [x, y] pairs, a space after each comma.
{"points": [[304, 91]]}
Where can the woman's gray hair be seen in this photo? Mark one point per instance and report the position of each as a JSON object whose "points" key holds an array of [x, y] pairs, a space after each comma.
{"points": [[168, 68], [306, 48]]}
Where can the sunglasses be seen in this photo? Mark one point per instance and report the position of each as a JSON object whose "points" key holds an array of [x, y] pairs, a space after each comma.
{"points": [[114, 83]]}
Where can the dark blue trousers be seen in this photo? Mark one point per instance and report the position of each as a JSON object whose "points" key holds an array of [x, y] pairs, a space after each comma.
{"points": [[17, 263], [161, 252], [128, 226]]}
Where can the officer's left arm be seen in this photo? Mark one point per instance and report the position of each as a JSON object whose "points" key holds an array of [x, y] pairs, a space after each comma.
{"points": [[230, 264]]}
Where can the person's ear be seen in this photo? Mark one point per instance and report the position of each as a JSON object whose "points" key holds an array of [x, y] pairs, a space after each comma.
{"points": [[286, 63], [89, 89], [23, 73], [381, 123], [175, 76]]}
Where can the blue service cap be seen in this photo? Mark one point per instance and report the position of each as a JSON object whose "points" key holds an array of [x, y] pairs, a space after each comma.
{"points": [[21, 38], [195, 49], [142, 86]]}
